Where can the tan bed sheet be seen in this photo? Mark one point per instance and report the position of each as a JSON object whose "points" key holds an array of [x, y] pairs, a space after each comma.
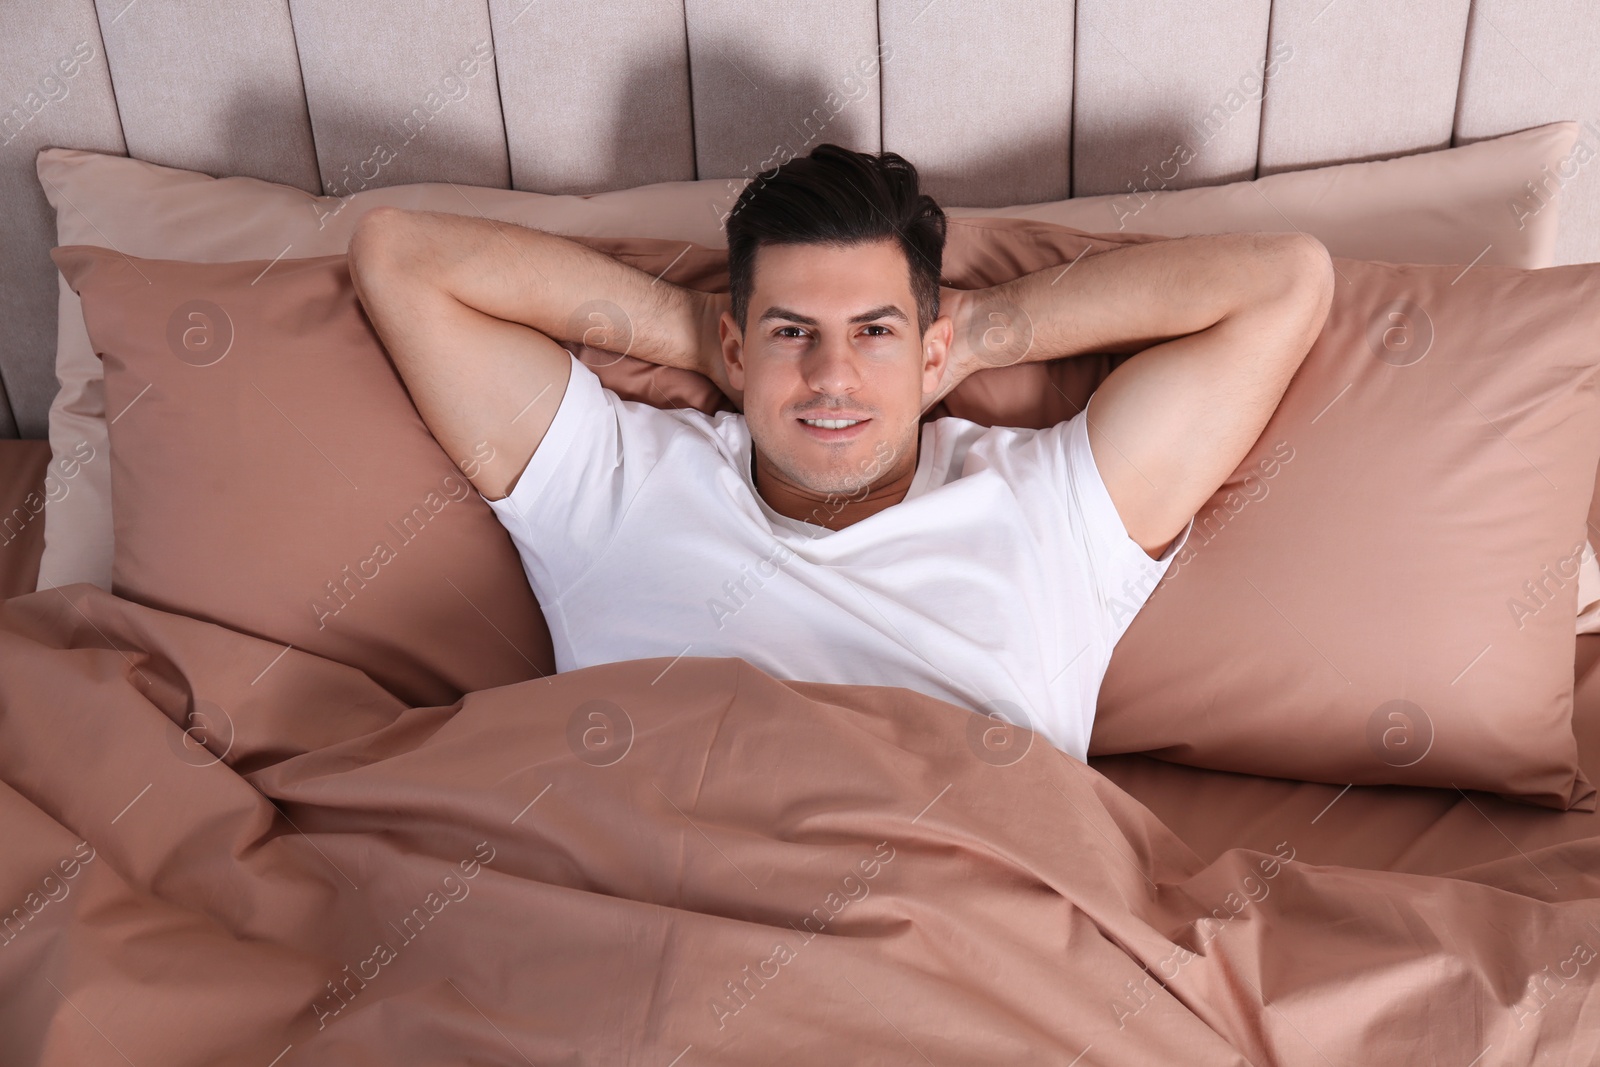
{"points": [[220, 851]]}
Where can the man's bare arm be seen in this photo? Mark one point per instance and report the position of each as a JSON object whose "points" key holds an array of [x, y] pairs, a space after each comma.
{"points": [[1220, 323], [470, 311]]}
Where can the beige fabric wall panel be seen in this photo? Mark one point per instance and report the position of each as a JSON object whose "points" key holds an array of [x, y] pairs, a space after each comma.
{"points": [[773, 80], [401, 91], [606, 107], [1370, 79], [1168, 96], [55, 89], [998, 104], [211, 85], [979, 96], [1534, 61]]}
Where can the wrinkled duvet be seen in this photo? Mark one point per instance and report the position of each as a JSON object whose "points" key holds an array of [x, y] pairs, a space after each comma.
{"points": [[214, 850]]}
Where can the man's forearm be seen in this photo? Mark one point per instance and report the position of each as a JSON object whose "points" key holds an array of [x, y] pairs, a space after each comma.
{"points": [[1124, 300], [564, 289]]}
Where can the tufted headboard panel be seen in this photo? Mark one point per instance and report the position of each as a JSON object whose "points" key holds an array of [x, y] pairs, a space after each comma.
{"points": [[997, 103]]}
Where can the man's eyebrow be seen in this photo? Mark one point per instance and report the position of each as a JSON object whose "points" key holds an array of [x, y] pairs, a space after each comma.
{"points": [[883, 311]]}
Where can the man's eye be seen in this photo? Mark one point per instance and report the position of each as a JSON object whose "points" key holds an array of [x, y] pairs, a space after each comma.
{"points": [[781, 330], [885, 329]]}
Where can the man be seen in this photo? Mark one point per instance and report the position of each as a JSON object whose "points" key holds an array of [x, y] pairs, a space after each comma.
{"points": [[826, 534]]}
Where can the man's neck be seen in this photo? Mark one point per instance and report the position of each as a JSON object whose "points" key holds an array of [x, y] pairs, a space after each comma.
{"points": [[832, 510]]}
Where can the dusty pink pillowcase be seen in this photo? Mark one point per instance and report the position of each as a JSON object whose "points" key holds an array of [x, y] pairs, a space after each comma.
{"points": [[1383, 591], [271, 474]]}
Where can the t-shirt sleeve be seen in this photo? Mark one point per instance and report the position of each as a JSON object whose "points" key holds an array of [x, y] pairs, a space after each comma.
{"points": [[1123, 572], [571, 498], [1057, 464]]}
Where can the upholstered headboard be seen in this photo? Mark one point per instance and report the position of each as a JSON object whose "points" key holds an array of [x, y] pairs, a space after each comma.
{"points": [[998, 103]]}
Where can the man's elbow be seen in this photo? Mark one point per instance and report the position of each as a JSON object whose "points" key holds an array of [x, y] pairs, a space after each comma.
{"points": [[391, 252], [373, 238], [1309, 271], [1299, 280]]}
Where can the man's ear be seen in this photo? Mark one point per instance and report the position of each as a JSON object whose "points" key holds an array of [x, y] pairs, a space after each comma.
{"points": [[936, 346], [732, 350]]}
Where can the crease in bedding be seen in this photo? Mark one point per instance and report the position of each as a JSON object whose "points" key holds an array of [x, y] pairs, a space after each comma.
{"points": [[1022, 917]]}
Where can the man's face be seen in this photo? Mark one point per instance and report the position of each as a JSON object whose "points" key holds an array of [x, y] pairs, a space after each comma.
{"points": [[832, 334]]}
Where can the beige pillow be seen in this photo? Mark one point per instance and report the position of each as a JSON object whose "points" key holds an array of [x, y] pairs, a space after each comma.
{"points": [[1447, 206], [1456, 205]]}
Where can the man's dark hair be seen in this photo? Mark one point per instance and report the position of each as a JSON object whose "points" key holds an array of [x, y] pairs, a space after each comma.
{"points": [[839, 197]]}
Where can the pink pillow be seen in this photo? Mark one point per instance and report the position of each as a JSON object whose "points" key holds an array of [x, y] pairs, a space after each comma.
{"points": [[271, 475]]}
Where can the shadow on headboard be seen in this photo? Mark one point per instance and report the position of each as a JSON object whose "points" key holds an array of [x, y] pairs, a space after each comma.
{"points": [[1035, 102]]}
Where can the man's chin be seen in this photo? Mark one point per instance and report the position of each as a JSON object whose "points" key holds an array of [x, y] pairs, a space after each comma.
{"points": [[832, 481]]}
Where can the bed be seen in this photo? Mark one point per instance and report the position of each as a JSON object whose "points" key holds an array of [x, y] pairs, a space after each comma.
{"points": [[236, 832]]}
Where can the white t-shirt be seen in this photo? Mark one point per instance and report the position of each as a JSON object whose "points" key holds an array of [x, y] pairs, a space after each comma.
{"points": [[999, 583]]}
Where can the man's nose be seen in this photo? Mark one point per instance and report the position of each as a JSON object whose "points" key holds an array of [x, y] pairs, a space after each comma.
{"points": [[831, 368]]}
